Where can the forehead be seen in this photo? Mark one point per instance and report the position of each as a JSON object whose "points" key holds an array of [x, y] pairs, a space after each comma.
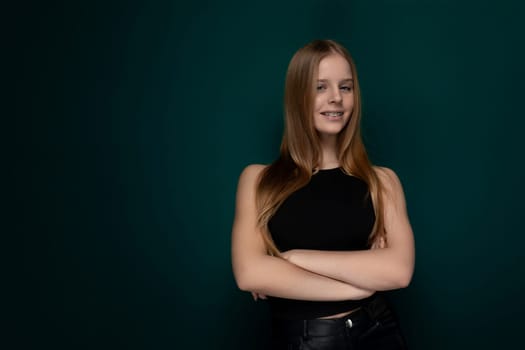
{"points": [[334, 66]]}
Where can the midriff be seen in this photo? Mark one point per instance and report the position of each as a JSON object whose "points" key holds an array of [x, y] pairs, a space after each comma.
{"points": [[342, 314]]}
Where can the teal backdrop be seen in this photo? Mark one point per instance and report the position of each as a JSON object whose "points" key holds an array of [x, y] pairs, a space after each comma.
{"points": [[129, 123]]}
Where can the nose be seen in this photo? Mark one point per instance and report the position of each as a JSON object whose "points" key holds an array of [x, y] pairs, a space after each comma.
{"points": [[336, 96]]}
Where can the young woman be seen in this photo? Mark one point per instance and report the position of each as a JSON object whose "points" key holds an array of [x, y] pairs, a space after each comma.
{"points": [[321, 231]]}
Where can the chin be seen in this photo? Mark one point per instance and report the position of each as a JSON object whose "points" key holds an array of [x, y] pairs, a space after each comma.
{"points": [[329, 132]]}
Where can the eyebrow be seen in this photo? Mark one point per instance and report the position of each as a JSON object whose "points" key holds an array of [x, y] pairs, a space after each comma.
{"points": [[341, 81]]}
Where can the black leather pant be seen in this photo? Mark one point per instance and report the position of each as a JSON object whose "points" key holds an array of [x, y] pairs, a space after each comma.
{"points": [[372, 327]]}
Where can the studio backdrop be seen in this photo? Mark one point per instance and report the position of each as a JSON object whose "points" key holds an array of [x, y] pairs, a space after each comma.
{"points": [[134, 120]]}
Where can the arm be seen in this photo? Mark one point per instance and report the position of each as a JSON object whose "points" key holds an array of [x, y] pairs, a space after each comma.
{"points": [[258, 272], [385, 268]]}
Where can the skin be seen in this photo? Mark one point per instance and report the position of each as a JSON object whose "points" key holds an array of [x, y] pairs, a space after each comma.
{"points": [[257, 272], [322, 275], [334, 93], [390, 267]]}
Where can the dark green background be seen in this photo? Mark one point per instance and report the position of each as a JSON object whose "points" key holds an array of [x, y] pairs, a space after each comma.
{"points": [[128, 124]]}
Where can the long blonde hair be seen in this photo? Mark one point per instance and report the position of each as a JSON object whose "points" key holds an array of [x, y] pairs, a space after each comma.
{"points": [[300, 146]]}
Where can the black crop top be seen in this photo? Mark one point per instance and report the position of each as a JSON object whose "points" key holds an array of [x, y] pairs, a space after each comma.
{"points": [[332, 212]]}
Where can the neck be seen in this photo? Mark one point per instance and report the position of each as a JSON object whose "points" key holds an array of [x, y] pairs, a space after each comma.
{"points": [[329, 157]]}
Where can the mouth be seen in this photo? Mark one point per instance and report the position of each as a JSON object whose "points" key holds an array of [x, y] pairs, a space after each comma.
{"points": [[334, 116], [332, 113]]}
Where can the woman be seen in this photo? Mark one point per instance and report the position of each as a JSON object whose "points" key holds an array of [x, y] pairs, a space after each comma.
{"points": [[321, 231]]}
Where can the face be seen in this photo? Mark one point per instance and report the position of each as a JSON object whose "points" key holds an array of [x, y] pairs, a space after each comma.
{"points": [[334, 99]]}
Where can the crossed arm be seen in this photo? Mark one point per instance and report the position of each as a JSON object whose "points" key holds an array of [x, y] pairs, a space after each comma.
{"points": [[317, 275], [390, 267]]}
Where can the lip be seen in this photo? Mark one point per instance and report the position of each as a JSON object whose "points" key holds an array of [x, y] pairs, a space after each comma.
{"points": [[333, 117]]}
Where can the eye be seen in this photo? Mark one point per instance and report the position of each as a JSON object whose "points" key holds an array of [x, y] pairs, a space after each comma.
{"points": [[346, 88], [320, 87]]}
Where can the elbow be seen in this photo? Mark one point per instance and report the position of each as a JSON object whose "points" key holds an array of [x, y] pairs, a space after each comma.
{"points": [[404, 278], [399, 277], [243, 284], [244, 280], [249, 273], [404, 281]]}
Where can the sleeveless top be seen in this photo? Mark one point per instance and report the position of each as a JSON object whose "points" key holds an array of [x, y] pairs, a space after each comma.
{"points": [[333, 211]]}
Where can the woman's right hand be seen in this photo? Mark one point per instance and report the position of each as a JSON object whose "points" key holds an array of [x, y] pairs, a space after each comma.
{"points": [[257, 296]]}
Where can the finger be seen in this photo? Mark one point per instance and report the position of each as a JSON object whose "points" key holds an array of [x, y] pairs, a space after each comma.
{"points": [[254, 295]]}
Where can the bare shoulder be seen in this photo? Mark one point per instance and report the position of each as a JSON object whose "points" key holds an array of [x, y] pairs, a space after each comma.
{"points": [[250, 175], [252, 171], [246, 192], [389, 179]]}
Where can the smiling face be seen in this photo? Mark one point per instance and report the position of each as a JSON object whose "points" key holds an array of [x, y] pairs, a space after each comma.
{"points": [[334, 96]]}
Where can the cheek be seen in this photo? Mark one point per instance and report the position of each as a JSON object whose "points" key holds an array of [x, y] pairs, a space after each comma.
{"points": [[350, 102], [317, 104]]}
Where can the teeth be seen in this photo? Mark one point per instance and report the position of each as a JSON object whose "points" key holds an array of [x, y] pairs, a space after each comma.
{"points": [[332, 114]]}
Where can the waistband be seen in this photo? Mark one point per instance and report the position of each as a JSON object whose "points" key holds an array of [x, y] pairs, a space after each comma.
{"points": [[321, 327]]}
